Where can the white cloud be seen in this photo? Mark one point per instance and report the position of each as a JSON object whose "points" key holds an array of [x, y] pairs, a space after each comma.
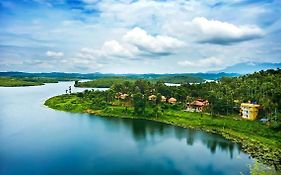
{"points": [[88, 53], [135, 44], [87, 58], [108, 50], [114, 48], [214, 31], [152, 44], [54, 54], [211, 62]]}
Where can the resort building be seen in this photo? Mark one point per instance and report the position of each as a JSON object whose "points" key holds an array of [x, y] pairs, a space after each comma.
{"points": [[121, 96], [172, 100], [152, 98], [163, 99], [197, 106], [249, 111]]}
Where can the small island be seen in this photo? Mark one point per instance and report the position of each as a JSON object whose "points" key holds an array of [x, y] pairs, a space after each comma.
{"points": [[210, 106], [29, 81]]}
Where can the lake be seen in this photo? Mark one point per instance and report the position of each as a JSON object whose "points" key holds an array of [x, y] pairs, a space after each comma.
{"points": [[36, 140]]}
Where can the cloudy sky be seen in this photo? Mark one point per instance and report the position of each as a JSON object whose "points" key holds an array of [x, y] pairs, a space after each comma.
{"points": [[137, 36]]}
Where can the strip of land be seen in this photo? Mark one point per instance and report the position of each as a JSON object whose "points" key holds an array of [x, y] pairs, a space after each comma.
{"points": [[107, 82], [28, 81]]}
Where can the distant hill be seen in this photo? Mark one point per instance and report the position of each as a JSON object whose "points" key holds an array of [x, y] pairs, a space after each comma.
{"points": [[55, 75], [250, 67], [208, 76]]}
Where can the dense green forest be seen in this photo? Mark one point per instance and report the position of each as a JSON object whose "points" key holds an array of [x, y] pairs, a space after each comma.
{"points": [[27, 81], [107, 82], [179, 79], [130, 99]]}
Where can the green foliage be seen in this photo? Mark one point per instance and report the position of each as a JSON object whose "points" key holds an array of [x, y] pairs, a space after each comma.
{"points": [[261, 87], [158, 98], [260, 169], [107, 82], [26, 81], [157, 111], [179, 79], [139, 103]]}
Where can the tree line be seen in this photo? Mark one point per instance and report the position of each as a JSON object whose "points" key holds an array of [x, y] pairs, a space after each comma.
{"points": [[224, 96]]}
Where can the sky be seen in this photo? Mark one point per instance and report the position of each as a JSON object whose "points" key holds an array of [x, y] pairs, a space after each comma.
{"points": [[137, 36]]}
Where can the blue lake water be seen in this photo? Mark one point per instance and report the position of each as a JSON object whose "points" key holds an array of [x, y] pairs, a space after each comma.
{"points": [[36, 140]]}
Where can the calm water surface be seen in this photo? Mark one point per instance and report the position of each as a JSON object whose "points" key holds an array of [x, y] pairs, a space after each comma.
{"points": [[35, 140]]}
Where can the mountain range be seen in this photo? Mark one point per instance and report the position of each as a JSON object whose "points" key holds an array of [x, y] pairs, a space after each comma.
{"points": [[231, 71], [208, 76], [249, 67]]}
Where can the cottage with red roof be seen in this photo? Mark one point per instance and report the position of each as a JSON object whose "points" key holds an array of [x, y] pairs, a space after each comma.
{"points": [[197, 106]]}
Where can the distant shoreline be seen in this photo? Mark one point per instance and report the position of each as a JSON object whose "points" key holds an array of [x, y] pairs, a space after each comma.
{"points": [[28, 82]]}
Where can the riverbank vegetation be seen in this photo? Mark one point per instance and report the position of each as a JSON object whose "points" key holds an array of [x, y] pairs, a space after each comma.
{"points": [[151, 101], [27, 81], [107, 82]]}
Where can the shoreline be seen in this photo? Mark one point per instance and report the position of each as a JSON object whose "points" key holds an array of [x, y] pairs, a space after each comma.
{"points": [[262, 152]]}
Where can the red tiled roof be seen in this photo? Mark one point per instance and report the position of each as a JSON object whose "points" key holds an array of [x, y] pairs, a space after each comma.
{"points": [[199, 103]]}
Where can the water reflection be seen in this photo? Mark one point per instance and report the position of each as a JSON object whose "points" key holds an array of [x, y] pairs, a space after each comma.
{"points": [[190, 137], [216, 142], [147, 132]]}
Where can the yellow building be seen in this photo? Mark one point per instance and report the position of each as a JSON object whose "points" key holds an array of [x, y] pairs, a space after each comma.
{"points": [[249, 111]]}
